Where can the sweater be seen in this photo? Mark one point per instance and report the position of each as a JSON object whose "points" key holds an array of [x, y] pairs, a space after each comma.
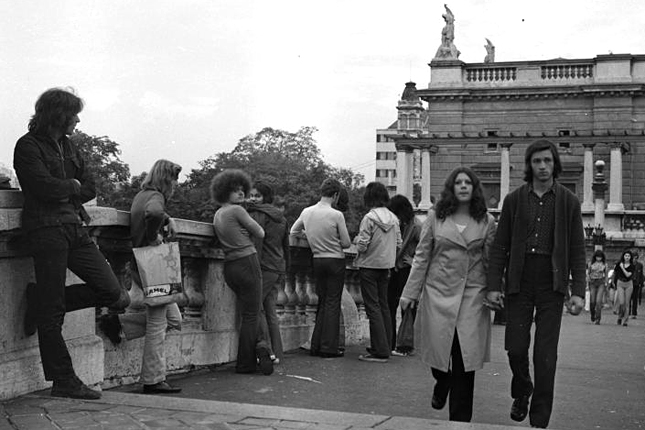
{"points": [[507, 254]]}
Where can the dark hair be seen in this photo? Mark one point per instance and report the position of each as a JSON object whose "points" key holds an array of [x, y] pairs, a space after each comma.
{"points": [[160, 177], [329, 187], [55, 109], [622, 257], [342, 204], [224, 183], [448, 203], [598, 253], [265, 190], [537, 146], [402, 208], [376, 195]]}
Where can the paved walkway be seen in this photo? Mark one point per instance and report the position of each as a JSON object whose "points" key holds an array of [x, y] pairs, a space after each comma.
{"points": [[600, 385]]}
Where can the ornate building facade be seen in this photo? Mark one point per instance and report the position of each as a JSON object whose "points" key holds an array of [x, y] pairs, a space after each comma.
{"points": [[484, 115]]}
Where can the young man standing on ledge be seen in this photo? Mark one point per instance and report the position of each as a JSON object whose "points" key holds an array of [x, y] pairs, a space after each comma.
{"points": [[55, 184], [539, 245]]}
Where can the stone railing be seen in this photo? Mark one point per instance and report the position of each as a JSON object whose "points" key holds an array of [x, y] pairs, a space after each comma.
{"points": [[567, 71], [209, 329], [491, 74]]}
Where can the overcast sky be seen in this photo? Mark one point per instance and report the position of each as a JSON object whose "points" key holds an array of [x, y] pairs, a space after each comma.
{"points": [[187, 79]]}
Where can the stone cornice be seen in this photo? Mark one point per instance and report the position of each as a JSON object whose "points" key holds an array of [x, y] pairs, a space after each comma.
{"points": [[533, 92]]}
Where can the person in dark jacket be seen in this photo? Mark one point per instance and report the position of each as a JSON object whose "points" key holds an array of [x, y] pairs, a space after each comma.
{"points": [[273, 252], [55, 183], [539, 232]]}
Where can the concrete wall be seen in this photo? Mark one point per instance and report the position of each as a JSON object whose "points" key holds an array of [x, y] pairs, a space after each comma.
{"points": [[209, 330]]}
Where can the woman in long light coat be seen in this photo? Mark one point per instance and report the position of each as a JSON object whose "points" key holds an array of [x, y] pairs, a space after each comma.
{"points": [[447, 279]]}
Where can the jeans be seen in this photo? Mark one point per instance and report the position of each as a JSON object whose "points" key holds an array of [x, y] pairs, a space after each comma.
{"points": [[329, 274], [596, 294], [54, 249], [153, 323], [535, 300], [269, 323], [244, 277], [623, 297], [398, 279], [461, 383], [374, 290]]}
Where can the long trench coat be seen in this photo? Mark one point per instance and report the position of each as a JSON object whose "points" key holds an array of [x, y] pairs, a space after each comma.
{"points": [[448, 278]]}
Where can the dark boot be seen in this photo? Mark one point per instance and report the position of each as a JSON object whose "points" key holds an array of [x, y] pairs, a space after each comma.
{"points": [[110, 325], [73, 388]]}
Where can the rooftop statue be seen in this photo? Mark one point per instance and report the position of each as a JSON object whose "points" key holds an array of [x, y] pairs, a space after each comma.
{"points": [[490, 52], [447, 50]]}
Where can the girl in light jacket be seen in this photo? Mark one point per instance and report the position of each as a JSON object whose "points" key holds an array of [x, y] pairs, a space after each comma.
{"points": [[378, 238], [448, 279]]}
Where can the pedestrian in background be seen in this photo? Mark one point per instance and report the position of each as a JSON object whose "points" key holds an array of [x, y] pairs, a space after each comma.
{"points": [[448, 279], [539, 232], [149, 223], [596, 281], [55, 183], [377, 242], [236, 231], [410, 231], [325, 230], [273, 252], [623, 278], [638, 287]]}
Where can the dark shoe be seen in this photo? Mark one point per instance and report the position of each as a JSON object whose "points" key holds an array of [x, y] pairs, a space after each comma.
{"points": [[625, 323], [440, 395], [264, 357], [30, 326], [619, 322], [110, 325], [123, 301], [597, 321], [73, 388], [372, 358], [520, 408], [160, 388], [331, 354]]}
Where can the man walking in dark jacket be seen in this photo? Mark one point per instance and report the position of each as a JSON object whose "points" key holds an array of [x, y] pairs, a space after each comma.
{"points": [[55, 184], [539, 245]]}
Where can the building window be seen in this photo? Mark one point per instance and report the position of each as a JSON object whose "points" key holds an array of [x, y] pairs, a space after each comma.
{"points": [[564, 145], [491, 133], [378, 137], [564, 133], [393, 173], [491, 147]]}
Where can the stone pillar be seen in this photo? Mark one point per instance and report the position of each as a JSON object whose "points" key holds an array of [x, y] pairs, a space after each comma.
{"points": [[505, 174], [599, 188], [588, 196], [425, 202], [616, 178], [404, 167]]}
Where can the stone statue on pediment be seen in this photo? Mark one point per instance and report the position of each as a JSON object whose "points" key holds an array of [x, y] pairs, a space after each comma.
{"points": [[490, 52], [447, 50]]}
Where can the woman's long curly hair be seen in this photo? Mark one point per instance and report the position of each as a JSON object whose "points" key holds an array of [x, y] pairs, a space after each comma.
{"points": [[448, 203]]}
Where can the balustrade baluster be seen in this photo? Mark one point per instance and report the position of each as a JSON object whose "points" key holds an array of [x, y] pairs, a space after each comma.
{"points": [[192, 274]]}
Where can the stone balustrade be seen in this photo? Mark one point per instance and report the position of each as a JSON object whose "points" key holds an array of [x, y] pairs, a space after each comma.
{"points": [[209, 329]]}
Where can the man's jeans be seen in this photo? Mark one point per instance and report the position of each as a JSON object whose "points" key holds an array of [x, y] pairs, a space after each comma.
{"points": [[54, 249]]}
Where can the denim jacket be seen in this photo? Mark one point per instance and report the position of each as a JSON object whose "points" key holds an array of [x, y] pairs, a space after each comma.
{"points": [[46, 172]]}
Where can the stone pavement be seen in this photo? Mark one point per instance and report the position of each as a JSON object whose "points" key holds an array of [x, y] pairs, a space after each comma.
{"points": [[600, 385]]}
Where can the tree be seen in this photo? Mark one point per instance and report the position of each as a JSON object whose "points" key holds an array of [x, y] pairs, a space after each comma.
{"points": [[290, 162], [102, 160]]}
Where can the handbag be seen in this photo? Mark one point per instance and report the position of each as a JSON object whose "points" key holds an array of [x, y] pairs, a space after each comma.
{"points": [[405, 335], [160, 272]]}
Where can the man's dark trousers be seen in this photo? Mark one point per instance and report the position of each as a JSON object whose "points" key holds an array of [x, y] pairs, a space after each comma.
{"points": [[536, 297], [54, 249], [329, 274]]}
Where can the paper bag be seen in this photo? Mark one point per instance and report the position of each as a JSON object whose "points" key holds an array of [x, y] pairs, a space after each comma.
{"points": [[160, 269]]}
